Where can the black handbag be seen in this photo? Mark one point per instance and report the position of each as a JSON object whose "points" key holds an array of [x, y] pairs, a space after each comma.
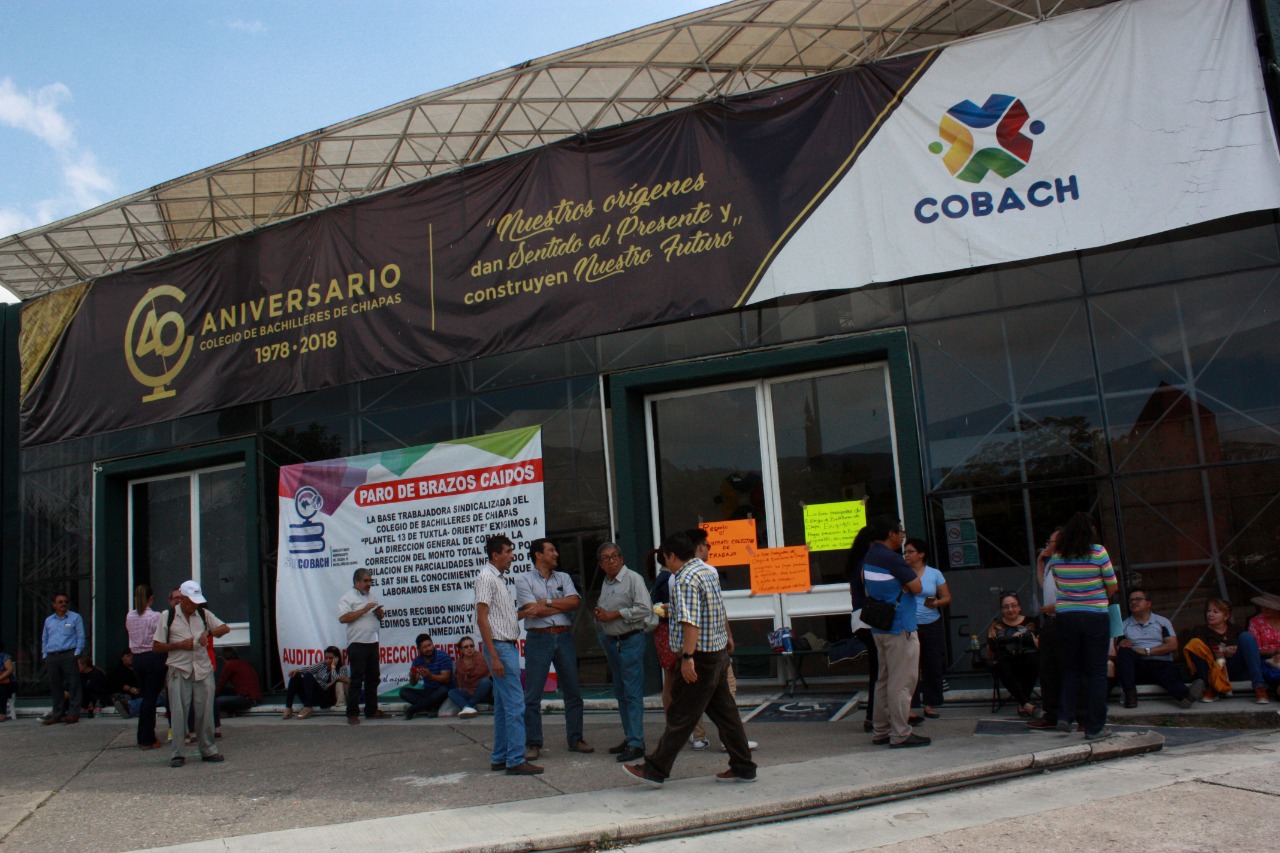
{"points": [[879, 614]]}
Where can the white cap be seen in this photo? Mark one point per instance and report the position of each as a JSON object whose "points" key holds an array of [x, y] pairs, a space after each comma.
{"points": [[191, 590]]}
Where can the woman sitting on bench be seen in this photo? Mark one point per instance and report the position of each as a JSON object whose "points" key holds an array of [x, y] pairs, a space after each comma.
{"points": [[1013, 648]]}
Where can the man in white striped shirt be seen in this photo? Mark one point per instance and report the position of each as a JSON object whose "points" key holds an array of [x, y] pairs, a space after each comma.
{"points": [[499, 633]]}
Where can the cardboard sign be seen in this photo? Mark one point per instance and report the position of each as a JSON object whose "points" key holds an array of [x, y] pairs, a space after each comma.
{"points": [[831, 527], [731, 541], [780, 570]]}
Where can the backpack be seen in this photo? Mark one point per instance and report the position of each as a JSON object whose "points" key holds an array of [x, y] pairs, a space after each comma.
{"points": [[168, 630]]}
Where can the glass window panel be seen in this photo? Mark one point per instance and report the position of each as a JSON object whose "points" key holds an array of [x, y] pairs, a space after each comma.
{"points": [[805, 318], [751, 648], [555, 361], [993, 289], [675, 341], [306, 408], [577, 493], [408, 427], [1225, 245], [224, 567], [1247, 499], [162, 534], [833, 440], [708, 451], [391, 392]]}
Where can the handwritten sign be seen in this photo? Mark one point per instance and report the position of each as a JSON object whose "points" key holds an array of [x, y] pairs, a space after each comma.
{"points": [[831, 527], [731, 541], [780, 570]]}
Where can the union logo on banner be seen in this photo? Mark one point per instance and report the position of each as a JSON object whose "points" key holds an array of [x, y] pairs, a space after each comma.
{"points": [[1001, 115]]}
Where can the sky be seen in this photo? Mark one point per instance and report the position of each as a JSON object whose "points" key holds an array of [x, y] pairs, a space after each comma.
{"points": [[99, 100]]}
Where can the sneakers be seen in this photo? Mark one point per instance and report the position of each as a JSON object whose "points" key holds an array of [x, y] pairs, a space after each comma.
{"points": [[750, 745], [177, 761], [1105, 731], [699, 744], [467, 712], [1063, 726], [731, 776], [1185, 702], [532, 751], [1260, 695], [1209, 696], [524, 769], [288, 714], [122, 708], [304, 713], [913, 739], [642, 773], [631, 753], [1196, 689]]}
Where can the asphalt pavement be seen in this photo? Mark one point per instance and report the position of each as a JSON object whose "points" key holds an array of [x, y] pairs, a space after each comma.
{"points": [[425, 784]]}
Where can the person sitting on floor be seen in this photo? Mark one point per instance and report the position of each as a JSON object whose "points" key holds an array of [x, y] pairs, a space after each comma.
{"points": [[1145, 654], [1013, 647], [316, 684], [474, 684], [126, 695], [8, 682], [93, 686], [1218, 653], [434, 669], [1265, 628], [238, 687]]}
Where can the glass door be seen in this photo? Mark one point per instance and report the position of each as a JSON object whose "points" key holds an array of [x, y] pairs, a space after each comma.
{"points": [[764, 450], [192, 526]]}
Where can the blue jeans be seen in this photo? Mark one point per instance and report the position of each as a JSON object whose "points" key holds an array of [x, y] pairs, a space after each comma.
{"points": [[508, 706], [626, 664], [483, 693], [1083, 644], [540, 650]]}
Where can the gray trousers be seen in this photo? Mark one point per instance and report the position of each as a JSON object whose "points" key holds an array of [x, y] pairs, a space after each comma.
{"points": [[64, 677], [185, 693], [899, 670]]}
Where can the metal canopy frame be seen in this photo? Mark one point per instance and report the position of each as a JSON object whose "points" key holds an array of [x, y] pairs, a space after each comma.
{"points": [[730, 49]]}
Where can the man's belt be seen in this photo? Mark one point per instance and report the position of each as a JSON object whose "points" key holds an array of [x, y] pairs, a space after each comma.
{"points": [[554, 629], [618, 638]]}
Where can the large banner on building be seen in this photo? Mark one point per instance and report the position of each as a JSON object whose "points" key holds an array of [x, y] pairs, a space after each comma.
{"points": [[417, 519], [1089, 129]]}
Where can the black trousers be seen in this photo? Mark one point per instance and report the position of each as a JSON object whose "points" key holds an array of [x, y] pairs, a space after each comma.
{"points": [[933, 664], [873, 667], [1050, 668], [367, 672], [1018, 674], [709, 694]]}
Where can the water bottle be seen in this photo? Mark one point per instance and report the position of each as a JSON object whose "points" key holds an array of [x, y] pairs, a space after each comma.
{"points": [[975, 651]]}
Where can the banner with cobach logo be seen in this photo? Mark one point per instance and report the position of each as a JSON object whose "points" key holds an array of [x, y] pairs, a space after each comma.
{"points": [[1089, 129], [417, 519]]}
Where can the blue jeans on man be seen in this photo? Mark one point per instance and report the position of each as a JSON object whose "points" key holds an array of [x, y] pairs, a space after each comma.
{"points": [[541, 649], [626, 663], [508, 705]]}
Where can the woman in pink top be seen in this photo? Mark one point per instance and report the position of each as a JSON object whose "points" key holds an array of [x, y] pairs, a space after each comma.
{"points": [[148, 665], [1265, 628]]}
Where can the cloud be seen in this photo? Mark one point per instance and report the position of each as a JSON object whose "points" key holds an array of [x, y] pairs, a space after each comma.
{"points": [[251, 27], [84, 183]]}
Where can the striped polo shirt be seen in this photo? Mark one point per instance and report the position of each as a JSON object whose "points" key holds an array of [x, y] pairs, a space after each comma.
{"points": [[1084, 583]]}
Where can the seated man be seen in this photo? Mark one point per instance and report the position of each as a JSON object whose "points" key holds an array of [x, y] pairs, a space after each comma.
{"points": [[435, 669], [238, 688], [93, 685], [125, 693], [1145, 654]]}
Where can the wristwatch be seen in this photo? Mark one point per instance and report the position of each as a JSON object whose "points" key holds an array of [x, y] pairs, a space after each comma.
{"points": [[687, 657], [548, 602]]}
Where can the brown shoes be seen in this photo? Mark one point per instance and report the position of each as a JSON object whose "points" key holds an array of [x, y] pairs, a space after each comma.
{"points": [[353, 720], [582, 746], [524, 769], [304, 713]]}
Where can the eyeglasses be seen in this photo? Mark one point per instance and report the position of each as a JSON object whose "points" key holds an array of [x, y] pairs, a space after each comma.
{"points": [[1138, 600], [609, 558], [467, 646]]}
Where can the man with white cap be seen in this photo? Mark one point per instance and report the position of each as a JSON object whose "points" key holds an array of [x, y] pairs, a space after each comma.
{"points": [[186, 634]]}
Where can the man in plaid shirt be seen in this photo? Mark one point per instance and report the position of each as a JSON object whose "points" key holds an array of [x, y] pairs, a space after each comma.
{"points": [[698, 630]]}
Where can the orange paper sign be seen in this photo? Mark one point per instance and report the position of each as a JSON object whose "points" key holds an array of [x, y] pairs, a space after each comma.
{"points": [[731, 541], [780, 570]]}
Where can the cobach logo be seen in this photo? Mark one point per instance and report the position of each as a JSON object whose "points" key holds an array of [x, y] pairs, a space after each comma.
{"points": [[161, 338], [1012, 151], [307, 536]]}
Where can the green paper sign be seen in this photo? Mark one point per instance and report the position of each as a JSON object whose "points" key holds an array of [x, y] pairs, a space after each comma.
{"points": [[831, 527]]}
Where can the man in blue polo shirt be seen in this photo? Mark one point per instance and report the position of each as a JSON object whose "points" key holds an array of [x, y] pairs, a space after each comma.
{"points": [[1144, 654], [435, 669], [887, 577], [61, 643]]}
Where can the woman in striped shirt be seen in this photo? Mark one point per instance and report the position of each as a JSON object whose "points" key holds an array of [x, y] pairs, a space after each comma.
{"points": [[1085, 581]]}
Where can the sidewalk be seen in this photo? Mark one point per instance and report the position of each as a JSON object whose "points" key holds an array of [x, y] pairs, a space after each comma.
{"points": [[320, 784]]}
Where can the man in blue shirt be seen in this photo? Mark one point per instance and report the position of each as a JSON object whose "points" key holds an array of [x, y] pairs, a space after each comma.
{"points": [[435, 669], [61, 643], [887, 577]]}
